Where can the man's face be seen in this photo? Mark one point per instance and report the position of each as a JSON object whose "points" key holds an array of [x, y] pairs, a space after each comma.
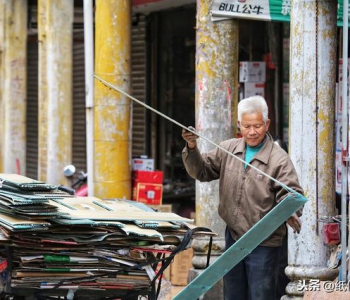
{"points": [[253, 128]]}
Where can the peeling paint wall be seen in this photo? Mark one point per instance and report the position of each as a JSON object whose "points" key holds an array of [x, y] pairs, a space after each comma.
{"points": [[112, 130], [216, 94], [15, 87], [312, 97], [55, 100]]}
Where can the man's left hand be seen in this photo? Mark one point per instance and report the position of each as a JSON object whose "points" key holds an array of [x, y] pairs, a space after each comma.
{"points": [[295, 223]]}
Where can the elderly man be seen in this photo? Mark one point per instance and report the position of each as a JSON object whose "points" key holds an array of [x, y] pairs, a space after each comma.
{"points": [[246, 195]]}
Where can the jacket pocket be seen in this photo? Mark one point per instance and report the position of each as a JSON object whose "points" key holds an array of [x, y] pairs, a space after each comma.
{"points": [[229, 178]]}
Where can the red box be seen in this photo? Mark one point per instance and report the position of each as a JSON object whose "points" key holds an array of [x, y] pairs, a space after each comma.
{"points": [[148, 186], [149, 193], [148, 176]]}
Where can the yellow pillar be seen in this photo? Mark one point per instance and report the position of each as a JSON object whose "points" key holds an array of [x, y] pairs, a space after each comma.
{"points": [[15, 87], [55, 88], [112, 110], [2, 72]]}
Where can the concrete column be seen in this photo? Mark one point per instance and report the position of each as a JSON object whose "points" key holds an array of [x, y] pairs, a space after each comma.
{"points": [[312, 97], [15, 87], [112, 130], [216, 102], [55, 88], [42, 90], [2, 76]]}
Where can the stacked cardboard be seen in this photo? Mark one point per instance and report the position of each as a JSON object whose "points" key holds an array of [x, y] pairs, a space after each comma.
{"points": [[57, 244]]}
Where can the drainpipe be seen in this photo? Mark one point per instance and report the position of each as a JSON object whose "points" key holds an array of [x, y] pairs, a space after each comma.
{"points": [[312, 97], [55, 102], [216, 87], [15, 87], [112, 130], [89, 90]]}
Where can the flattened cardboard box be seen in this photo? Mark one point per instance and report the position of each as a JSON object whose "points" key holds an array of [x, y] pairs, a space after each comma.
{"points": [[180, 266], [162, 208]]}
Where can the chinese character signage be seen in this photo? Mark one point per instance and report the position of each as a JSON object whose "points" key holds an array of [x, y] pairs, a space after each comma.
{"points": [[263, 10]]}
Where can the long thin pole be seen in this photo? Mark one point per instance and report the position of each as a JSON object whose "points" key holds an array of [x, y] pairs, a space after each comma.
{"points": [[344, 173], [190, 130]]}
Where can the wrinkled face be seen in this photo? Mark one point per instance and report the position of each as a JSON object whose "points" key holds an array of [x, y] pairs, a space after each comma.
{"points": [[253, 128]]}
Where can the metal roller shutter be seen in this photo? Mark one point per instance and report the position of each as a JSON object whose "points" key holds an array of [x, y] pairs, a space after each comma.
{"points": [[138, 84], [79, 116], [32, 108]]}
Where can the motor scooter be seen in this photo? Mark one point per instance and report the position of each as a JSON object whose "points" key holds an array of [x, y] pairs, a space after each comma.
{"points": [[80, 184]]}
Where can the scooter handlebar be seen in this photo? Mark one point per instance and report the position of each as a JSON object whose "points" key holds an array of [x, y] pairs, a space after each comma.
{"points": [[66, 189]]}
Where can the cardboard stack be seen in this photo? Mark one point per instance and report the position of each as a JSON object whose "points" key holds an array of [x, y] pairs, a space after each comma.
{"points": [[147, 183], [177, 272], [57, 244]]}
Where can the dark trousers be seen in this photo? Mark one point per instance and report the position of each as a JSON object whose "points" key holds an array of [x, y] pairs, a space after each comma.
{"points": [[253, 278], [282, 279]]}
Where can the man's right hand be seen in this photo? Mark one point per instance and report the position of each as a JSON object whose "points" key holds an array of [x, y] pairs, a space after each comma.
{"points": [[190, 138]]}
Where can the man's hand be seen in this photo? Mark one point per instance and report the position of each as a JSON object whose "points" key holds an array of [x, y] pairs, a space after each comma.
{"points": [[190, 138], [295, 223]]}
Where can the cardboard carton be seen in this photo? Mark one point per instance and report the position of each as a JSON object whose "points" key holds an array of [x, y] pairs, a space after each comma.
{"points": [[141, 176], [143, 164], [148, 193], [148, 187], [180, 266]]}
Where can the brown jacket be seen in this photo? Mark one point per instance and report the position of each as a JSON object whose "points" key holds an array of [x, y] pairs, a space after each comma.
{"points": [[245, 194]]}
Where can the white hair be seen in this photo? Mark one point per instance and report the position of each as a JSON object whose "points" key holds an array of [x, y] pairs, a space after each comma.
{"points": [[253, 104]]}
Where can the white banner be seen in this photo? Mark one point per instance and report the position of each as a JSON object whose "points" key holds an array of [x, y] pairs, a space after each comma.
{"points": [[265, 10]]}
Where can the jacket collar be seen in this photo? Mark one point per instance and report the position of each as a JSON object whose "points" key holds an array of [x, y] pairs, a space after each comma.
{"points": [[264, 154]]}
